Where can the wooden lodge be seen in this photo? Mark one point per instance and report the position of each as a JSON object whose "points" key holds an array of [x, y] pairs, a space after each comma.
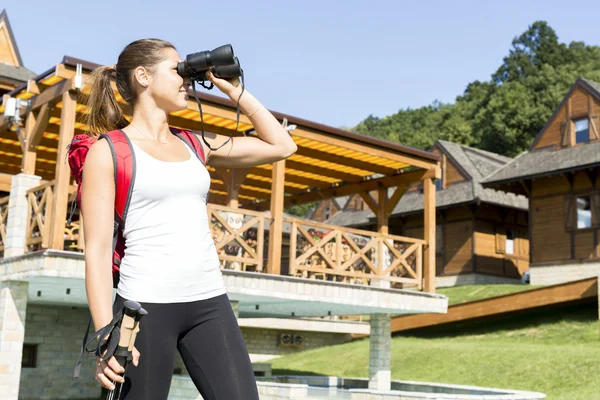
{"points": [[329, 163], [327, 270], [559, 176], [481, 234]]}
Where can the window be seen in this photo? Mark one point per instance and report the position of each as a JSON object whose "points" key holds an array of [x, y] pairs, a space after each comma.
{"points": [[582, 134], [29, 356], [510, 242], [439, 184], [584, 212], [327, 213]]}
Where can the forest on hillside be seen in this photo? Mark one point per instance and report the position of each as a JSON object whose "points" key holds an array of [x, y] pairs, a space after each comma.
{"points": [[502, 115], [505, 113]]}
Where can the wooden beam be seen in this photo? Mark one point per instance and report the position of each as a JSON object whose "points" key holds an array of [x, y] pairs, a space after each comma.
{"points": [[429, 235], [63, 173], [178, 122], [276, 228], [301, 166], [352, 188], [48, 95], [382, 217], [592, 175], [243, 191], [233, 179], [32, 87], [527, 187], [334, 158], [369, 201], [292, 178], [29, 155], [35, 136], [255, 183], [5, 182], [393, 201], [364, 148], [444, 169]]}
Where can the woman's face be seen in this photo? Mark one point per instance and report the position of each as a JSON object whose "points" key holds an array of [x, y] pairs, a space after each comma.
{"points": [[167, 88]]}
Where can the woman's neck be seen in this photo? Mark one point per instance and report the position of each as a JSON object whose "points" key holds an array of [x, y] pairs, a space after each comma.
{"points": [[151, 120]]}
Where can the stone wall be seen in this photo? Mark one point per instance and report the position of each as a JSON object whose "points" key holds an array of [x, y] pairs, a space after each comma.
{"points": [[554, 274], [58, 332]]}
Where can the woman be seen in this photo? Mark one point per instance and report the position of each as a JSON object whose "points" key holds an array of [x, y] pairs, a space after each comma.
{"points": [[170, 266]]}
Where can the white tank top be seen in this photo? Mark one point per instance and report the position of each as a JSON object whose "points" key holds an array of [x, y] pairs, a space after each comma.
{"points": [[170, 255]]}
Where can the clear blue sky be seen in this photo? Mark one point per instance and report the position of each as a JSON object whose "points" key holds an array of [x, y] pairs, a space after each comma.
{"points": [[333, 62]]}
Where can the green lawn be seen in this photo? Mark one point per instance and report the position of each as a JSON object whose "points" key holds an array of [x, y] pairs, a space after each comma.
{"points": [[554, 352], [463, 294]]}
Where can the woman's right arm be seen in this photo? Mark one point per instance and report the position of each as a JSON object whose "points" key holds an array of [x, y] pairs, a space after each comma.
{"points": [[97, 208]]}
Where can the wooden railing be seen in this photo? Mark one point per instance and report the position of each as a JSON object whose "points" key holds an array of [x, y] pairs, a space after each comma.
{"points": [[39, 200], [317, 251], [3, 220], [73, 235], [39, 216], [239, 237], [334, 253]]}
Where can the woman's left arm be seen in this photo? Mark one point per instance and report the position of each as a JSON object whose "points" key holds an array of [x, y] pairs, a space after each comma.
{"points": [[272, 144]]}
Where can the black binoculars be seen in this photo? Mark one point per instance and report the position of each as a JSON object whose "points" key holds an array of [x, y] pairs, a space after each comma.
{"points": [[220, 61]]}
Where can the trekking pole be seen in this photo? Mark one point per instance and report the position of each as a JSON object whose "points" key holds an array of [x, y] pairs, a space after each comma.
{"points": [[129, 327]]}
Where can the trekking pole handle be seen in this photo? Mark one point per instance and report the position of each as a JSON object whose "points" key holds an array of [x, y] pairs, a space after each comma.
{"points": [[128, 326], [138, 316]]}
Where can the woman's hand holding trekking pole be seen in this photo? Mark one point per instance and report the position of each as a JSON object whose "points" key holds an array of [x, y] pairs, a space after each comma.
{"points": [[109, 371]]}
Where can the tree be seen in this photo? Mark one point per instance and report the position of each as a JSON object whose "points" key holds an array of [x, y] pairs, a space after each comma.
{"points": [[503, 114]]}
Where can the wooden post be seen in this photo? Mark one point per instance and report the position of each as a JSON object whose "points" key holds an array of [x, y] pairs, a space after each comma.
{"points": [[29, 154], [233, 179], [429, 235], [276, 228], [382, 216], [63, 173]]}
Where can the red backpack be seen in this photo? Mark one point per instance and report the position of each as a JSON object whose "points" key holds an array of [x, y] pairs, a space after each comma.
{"points": [[124, 165]]}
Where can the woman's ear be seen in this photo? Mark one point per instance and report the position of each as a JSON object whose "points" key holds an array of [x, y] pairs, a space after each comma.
{"points": [[142, 76]]}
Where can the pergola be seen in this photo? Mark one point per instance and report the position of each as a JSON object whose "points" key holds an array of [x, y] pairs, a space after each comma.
{"points": [[329, 162]]}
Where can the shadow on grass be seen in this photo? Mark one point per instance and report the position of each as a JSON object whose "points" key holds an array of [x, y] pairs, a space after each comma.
{"points": [[581, 312]]}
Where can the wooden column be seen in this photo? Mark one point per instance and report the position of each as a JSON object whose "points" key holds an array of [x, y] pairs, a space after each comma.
{"points": [[429, 235], [383, 208], [382, 217], [233, 179], [29, 155], [63, 173], [276, 228]]}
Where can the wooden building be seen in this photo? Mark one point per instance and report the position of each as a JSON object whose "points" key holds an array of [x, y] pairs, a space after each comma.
{"points": [[327, 208], [559, 175], [42, 266], [12, 71], [481, 234]]}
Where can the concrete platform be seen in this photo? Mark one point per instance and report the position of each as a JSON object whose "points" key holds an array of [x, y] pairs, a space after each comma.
{"points": [[57, 277]]}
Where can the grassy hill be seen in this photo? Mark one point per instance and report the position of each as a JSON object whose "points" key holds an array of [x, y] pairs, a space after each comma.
{"points": [[553, 351]]}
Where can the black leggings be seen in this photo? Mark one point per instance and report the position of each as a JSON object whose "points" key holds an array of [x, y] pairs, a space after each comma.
{"points": [[211, 345]]}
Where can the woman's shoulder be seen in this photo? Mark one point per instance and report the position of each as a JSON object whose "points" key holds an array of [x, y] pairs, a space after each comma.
{"points": [[99, 155]]}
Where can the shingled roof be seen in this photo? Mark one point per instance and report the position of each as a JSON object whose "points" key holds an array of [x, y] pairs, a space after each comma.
{"points": [[475, 163], [19, 74], [549, 161]]}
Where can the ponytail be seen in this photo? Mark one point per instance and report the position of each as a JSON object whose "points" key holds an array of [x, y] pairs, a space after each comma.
{"points": [[105, 113]]}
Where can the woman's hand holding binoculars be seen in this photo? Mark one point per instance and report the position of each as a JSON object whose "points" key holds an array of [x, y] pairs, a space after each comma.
{"points": [[230, 87]]}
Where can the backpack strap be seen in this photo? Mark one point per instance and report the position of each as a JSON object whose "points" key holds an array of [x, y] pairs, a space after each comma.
{"points": [[124, 165], [192, 141]]}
